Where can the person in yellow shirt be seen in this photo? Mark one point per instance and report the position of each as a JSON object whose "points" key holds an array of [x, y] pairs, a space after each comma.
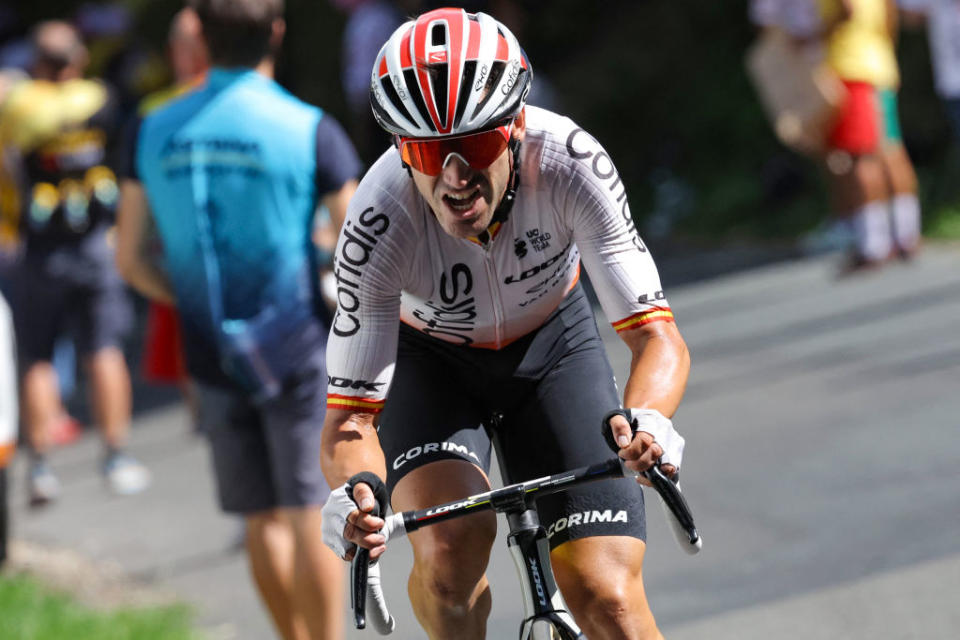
{"points": [[872, 181], [62, 128]]}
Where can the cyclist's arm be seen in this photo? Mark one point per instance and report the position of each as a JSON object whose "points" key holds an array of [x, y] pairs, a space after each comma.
{"points": [[350, 445], [628, 286], [659, 366], [361, 351], [134, 232]]}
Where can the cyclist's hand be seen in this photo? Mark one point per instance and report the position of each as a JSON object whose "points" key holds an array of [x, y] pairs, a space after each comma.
{"points": [[655, 439], [347, 522]]}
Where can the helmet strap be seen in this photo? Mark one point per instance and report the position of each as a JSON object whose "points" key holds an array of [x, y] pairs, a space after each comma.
{"points": [[506, 203]]}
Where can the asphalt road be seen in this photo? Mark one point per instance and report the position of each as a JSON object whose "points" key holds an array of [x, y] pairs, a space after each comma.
{"points": [[823, 464]]}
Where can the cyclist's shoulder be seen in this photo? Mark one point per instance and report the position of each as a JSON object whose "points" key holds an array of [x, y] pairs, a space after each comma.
{"points": [[558, 149], [387, 189]]}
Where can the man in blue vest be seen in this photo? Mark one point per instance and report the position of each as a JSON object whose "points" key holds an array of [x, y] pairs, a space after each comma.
{"points": [[231, 175]]}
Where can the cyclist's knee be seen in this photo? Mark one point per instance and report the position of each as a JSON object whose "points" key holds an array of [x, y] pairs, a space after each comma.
{"points": [[451, 557], [602, 583]]}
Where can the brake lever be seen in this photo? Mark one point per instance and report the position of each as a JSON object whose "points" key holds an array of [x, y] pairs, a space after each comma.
{"points": [[682, 521], [359, 570]]}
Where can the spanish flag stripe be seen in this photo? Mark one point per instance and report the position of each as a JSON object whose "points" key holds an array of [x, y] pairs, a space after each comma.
{"points": [[493, 230], [656, 314], [335, 401]]}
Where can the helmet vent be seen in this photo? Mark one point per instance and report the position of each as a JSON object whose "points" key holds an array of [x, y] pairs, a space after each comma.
{"points": [[438, 81], [496, 70], [410, 77], [438, 35], [466, 79], [394, 99]]}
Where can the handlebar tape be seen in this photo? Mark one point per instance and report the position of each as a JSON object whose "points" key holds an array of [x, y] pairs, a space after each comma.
{"points": [[360, 566]]}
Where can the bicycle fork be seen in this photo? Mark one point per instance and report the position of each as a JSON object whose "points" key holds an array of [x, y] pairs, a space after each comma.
{"points": [[545, 613]]}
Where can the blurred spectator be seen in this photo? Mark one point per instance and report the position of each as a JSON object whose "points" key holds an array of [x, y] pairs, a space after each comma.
{"points": [[66, 428], [230, 174], [871, 178], [943, 32], [163, 356], [63, 127], [9, 190], [800, 94], [799, 18], [369, 24], [117, 54]]}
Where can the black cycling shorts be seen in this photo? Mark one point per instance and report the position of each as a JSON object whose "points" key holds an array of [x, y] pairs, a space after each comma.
{"points": [[551, 389]]}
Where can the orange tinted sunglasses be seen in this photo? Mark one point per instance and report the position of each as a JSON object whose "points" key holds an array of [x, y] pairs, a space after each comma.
{"points": [[479, 150]]}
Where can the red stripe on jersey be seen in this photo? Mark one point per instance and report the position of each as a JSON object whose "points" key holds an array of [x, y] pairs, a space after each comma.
{"points": [[382, 71], [655, 314], [350, 403]]}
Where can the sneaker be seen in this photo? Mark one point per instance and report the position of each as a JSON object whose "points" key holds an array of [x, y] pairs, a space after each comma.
{"points": [[125, 475], [42, 484]]}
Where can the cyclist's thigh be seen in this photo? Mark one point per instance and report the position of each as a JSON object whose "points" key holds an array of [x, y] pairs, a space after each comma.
{"points": [[428, 415], [558, 428], [238, 448], [293, 424]]}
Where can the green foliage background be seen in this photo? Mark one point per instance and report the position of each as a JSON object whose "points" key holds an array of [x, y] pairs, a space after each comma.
{"points": [[661, 84]]}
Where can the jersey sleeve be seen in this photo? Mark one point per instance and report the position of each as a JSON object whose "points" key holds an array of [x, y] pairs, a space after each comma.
{"points": [[593, 201], [368, 265]]}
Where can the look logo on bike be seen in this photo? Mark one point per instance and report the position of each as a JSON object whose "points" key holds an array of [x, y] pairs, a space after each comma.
{"points": [[449, 323]]}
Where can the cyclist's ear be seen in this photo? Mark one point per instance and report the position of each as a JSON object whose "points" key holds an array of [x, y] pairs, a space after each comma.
{"points": [[520, 126]]}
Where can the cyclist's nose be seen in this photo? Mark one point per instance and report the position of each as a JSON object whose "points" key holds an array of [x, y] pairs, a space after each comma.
{"points": [[456, 171]]}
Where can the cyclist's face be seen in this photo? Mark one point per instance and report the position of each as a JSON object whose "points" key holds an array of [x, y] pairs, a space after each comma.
{"points": [[463, 198]]}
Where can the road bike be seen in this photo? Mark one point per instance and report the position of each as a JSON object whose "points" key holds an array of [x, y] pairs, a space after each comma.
{"points": [[545, 614]]}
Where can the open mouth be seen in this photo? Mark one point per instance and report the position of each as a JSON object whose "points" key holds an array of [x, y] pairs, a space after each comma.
{"points": [[462, 202]]}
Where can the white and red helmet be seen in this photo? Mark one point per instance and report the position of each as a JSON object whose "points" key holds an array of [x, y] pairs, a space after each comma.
{"points": [[449, 73]]}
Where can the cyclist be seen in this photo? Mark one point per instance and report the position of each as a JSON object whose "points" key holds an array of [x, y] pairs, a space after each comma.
{"points": [[458, 269]]}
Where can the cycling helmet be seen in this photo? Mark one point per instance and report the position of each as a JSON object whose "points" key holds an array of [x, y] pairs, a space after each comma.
{"points": [[448, 73]]}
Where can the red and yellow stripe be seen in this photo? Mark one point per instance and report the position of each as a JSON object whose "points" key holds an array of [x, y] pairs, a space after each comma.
{"points": [[493, 230], [353, 403], [655, 314]]}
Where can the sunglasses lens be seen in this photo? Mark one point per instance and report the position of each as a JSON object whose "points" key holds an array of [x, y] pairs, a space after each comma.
{"points": [[479, 150]]}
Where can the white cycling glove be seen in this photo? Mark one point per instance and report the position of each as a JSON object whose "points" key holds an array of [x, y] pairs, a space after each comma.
{"points": [[334, 520], [339, 505], [661, 428]]}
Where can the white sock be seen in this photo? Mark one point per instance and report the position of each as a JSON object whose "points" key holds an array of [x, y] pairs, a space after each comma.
{"points": [[906, 220], [871, 226]]}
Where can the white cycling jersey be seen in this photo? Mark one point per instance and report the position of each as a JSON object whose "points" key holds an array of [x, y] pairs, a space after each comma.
{"points": [[394, 262]]}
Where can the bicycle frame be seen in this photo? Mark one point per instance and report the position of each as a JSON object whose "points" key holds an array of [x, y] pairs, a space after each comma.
{"points": [[545, 614]]}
